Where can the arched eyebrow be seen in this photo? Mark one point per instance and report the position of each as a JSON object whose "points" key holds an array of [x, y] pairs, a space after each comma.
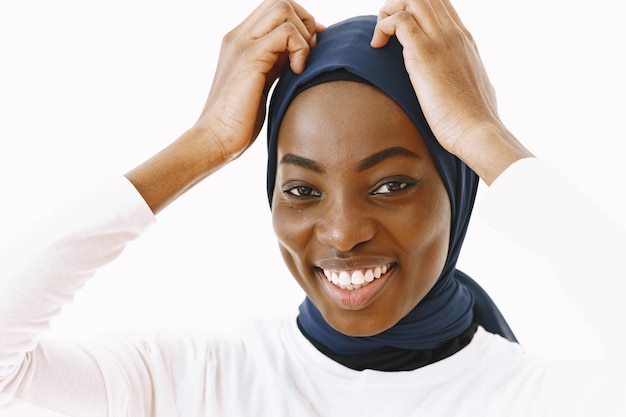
{"points": [[370, 161], [378, 157], [302, 162]]}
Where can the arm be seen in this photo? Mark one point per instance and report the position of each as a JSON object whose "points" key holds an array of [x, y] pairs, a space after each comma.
{"points": [[541, 210], [41, 270], [251, 58]]}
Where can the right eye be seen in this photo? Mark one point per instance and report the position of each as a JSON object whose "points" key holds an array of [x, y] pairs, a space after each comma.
{"points": [[302, 191]]}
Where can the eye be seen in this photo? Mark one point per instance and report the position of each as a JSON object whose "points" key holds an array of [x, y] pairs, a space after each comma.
{"points": [[393, 186], [302, 191]]}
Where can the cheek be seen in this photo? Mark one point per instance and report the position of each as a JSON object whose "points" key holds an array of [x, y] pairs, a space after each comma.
{"points": [[425, 233], [290, 227], [294, 234]]}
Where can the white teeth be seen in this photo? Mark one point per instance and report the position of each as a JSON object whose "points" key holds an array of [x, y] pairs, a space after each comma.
{"points": [[358, 278], [355, 279], [344, 278], [377, 272]]}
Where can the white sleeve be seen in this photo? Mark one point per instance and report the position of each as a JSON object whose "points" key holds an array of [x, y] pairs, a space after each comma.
{"points": [[40, 270], [546, 214]]}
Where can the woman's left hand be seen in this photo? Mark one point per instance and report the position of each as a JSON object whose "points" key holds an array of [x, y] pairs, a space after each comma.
{"points": [[451, 83]]}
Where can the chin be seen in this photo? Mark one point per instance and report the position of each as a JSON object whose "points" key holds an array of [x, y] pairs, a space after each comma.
{"points": [[357, 324]]}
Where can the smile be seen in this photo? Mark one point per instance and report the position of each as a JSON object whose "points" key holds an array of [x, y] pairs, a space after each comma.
{"points": [[355, 279]]}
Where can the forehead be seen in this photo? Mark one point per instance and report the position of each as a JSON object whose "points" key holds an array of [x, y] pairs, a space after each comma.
{"points": [[345, 119]]}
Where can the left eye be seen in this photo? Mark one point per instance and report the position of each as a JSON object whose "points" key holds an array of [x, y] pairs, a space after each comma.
{"points": [[391, 187]]}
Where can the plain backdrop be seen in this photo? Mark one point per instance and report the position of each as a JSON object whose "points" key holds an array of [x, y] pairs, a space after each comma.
{"points": [[89, 89]]}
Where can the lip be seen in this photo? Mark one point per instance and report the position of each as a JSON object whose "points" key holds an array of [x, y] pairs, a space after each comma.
{"points": [[355, 299], [350, 264]]}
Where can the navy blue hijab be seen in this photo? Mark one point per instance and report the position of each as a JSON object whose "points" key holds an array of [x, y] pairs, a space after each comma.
{"points": [[455, 301]]}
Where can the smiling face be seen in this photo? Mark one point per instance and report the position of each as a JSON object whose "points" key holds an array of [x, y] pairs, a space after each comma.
{"points": [[361, 214]]}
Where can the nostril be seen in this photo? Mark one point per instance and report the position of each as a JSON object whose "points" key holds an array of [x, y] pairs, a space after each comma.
{"points": [[346, 235]]}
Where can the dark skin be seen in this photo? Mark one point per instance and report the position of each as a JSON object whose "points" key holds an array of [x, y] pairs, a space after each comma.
{"points": [[441, 59], [458, 102], [356, 188]]}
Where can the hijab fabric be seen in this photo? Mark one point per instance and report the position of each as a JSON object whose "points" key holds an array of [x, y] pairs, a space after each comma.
{"points": [[455, 301]]}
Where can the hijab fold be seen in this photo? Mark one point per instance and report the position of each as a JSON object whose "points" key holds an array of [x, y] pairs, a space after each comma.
{"points": [[343, 52]]}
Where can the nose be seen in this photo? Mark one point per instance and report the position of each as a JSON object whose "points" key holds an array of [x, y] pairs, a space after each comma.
{"points": [[345, 225]]}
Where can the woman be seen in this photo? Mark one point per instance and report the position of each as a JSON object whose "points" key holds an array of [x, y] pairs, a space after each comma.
{"points": [[370, 211]]}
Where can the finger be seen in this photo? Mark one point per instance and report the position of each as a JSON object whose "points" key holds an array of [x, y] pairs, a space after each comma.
{"points": [[433, 16], [281, 12], [450, 18], [380, 36], [382, 33], [272, 13], [421, 11], [402, 24], [319, 28], [287, 39], [308, 20], [394, 6], [453, 13]]}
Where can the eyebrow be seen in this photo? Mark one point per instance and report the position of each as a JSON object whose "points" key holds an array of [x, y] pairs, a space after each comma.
{"points": [[364, 164], [302, 162], [379, 157]]}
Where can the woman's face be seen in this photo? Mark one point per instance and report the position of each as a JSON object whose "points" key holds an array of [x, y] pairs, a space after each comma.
{"points": [[361, 214]]}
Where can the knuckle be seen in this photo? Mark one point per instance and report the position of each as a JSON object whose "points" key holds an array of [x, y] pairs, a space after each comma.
{"points": [[469, 37], [287, 27], [229, 37], [406, 17], [302, 49], [284, 8], [289, 30], [454, 36], [233, 42]]}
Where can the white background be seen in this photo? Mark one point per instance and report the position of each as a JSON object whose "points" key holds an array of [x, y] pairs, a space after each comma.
{"points": [[90, 89]]}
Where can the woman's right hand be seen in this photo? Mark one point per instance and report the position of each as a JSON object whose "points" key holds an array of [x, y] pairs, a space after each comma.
{"points": [[277, 33]]}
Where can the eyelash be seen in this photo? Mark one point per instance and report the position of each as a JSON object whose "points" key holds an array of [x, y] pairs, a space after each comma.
{"points": [[304, 192], [403, 183]]}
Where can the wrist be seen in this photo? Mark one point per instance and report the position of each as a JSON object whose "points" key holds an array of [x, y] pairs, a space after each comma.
{"points": [[489, 150]]}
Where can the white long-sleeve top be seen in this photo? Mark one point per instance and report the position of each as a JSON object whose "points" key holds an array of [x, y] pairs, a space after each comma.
{"points": [[269, 368]]}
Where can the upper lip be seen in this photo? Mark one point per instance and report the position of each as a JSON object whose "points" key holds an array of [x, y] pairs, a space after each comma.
{"points": [[352, 264]]}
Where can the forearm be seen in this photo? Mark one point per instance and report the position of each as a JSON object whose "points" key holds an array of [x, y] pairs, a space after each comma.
{"points": [[251, 58], [175, 169]]}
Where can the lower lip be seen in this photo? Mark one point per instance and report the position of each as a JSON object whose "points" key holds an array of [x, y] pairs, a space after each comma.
{"points": [[355, 299]]}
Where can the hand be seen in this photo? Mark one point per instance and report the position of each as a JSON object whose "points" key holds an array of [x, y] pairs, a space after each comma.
{"points": [[252, 56], [451, 83], [277, 33]]}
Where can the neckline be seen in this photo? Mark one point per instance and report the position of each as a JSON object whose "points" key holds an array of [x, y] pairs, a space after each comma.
{"points": [[444, 370], [393, 359]]}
